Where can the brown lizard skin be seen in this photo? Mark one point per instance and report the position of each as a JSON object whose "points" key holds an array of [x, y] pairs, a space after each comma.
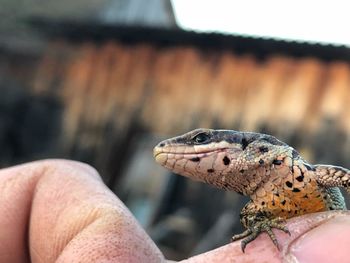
{"points": [[279, 182]]}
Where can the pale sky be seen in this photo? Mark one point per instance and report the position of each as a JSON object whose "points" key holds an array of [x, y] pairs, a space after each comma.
{"points": [[312, 21]]}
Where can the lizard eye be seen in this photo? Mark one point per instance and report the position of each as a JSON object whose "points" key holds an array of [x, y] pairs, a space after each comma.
{"points": [[201, 138]]}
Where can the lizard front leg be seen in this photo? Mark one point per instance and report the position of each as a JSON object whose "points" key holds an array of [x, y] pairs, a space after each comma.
{"points": [[256, 221]]}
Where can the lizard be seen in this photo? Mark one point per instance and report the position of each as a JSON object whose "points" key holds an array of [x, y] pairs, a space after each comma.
{"points": [[279, 182]]}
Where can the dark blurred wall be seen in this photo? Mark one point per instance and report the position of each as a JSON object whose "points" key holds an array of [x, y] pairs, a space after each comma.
{"points": [[30, 124]]}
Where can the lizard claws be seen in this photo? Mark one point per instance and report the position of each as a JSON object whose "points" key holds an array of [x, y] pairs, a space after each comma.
{"points": [[265, 225]]}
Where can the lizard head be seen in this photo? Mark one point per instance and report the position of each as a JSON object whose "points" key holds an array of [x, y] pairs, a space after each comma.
{"points": [[225, 158]]}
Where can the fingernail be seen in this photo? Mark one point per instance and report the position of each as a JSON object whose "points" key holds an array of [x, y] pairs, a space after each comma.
{"points": [[327, 242]]}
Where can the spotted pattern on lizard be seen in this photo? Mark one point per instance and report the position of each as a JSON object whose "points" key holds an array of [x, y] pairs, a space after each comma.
{"points": [[280, 183]]}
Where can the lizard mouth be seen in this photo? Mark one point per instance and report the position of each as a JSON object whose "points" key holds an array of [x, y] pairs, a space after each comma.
{"points": [[158, 150], [162, 156]]}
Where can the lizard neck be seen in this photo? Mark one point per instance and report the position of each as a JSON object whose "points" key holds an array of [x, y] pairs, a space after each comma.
{"points": [[247, 182]]}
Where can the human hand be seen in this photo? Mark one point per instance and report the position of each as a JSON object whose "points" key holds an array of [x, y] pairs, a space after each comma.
{"points": [[60, 211]]}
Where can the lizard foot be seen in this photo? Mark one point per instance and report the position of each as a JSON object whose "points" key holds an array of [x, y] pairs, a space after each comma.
{"points": [[264, 225]]}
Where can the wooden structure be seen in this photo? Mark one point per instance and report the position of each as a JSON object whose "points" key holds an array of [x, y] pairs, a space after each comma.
{"points": [[175, 81]]}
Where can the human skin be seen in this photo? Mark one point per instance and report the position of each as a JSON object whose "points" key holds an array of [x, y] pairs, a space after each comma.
{"points": [[60, 211]]}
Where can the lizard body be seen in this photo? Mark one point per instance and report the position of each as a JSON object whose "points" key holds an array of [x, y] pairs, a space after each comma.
{"points": [[280, 183]]}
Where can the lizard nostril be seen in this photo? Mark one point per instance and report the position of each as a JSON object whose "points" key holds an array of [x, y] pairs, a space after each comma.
{"points": [[162, 144]]}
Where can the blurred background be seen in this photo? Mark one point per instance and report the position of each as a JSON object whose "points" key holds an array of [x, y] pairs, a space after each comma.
{"points": [[103, 81]]}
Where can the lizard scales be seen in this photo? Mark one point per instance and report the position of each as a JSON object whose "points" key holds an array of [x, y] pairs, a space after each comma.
{"points": [[280, 183]]}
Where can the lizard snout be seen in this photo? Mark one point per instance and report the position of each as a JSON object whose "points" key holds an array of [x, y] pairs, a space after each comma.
{"points": [[159, 154]]}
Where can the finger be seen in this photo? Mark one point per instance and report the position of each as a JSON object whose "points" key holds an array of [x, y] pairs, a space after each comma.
{"points": [[327, 241], [315, 237], [61, 211]]}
